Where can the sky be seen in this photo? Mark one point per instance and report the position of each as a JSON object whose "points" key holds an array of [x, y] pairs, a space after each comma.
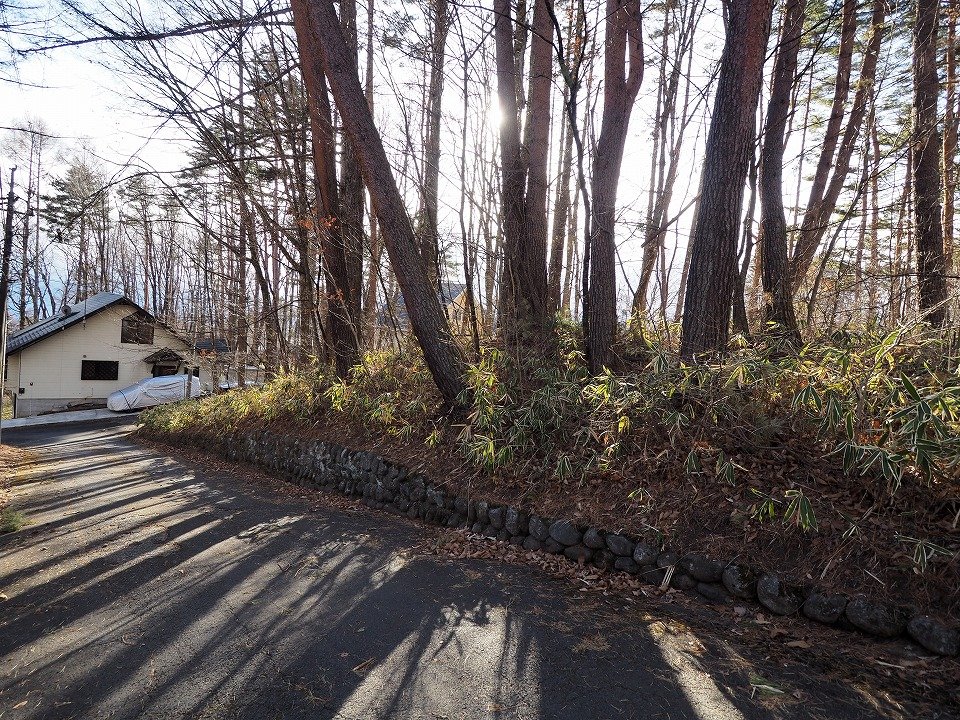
{"points": [[84, 103]]}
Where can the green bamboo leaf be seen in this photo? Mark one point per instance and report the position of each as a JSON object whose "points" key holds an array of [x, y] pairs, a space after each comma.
{"points": [[910, 388]]}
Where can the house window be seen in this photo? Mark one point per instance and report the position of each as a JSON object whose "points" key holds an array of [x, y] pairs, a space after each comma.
{"points": [[137, 328], [99, 370]]}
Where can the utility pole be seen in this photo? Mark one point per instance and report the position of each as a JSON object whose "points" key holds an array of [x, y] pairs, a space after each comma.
{"points": [[4, 287], [7, 245]]}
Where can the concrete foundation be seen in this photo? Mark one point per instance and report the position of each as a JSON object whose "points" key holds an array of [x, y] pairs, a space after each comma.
{"points": [[28, 407]]}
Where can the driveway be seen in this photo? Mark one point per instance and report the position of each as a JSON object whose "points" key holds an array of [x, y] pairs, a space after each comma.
{"points": [[147, 587]]}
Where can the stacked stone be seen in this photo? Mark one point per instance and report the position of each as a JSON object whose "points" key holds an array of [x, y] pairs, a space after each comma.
{"points": [[386, 486]]}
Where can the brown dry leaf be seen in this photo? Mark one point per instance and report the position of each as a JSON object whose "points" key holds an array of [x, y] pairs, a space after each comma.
{"points": [[798, 644]]}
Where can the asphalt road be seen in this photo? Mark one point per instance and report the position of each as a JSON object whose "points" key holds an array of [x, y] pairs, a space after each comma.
{"points": [[147, 587]]}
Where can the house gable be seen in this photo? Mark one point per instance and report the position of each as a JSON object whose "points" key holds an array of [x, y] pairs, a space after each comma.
{"points": [[52, 366]]}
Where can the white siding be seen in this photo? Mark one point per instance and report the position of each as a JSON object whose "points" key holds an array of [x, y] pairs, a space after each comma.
{"points": [[12, 371]]}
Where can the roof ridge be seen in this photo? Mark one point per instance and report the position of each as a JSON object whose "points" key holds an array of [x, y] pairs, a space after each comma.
{"points": [[81, 310]]}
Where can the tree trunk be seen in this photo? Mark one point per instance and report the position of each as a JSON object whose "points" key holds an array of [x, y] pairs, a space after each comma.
{"points": [[623, 74], [951, 119], [427, 319], [537, 153], [24, 245], [777, 295], [431, 170], [351, 209], [730, 141], [841, 91], [342, 338], [561, 211], [926, 166], [874, 279], [822, 202], [376, 246], [561, 204], [523, 284], [7, 250], [741, 323]]}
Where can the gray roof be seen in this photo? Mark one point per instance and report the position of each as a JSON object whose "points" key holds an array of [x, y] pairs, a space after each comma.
{"points": [[450, 291], [71, 315], [447, 293], [215, 345]]}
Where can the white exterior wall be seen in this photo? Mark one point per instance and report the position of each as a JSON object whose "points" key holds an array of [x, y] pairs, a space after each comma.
{"points": [[50, 369]]}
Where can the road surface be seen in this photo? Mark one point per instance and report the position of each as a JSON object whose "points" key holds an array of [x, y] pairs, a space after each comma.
{"points": [[147, 587]]}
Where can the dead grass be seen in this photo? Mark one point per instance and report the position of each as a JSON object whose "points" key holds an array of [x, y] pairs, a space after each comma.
{"points": [[11, 520], [801, 464], [12, 461]]}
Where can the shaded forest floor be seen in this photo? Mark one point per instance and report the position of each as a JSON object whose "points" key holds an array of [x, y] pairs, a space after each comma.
{"points": [[829, 486]]}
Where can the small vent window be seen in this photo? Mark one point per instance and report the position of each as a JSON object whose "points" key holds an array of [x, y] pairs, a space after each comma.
{"points": [[137, 329], [99, 370]]}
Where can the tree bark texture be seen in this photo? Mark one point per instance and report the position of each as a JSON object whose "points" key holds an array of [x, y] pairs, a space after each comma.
{"points": [[523, 284], [623, 75], [561, 211], [730, 141], [777, 295], [950, 130], [431, 165], [340, 330], [352, 201], [537, 147], [926, 167]]}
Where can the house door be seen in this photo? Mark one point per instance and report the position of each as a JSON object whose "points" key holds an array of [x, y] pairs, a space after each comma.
{"points": [[165, 369]]}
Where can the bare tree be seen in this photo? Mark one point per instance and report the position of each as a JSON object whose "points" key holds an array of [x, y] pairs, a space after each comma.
{"points": [[341, 323], [833, 167], [440, 24], [523, 286], [778, 298]]}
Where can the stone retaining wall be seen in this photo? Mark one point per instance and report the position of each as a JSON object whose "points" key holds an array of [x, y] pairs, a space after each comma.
{"points": [[391, 487]]}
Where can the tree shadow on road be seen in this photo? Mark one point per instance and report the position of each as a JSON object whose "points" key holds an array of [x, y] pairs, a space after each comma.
{"points": [[161, 596]]}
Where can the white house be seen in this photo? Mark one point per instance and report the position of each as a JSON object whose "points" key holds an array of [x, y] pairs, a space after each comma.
{"points": [[80, 356]]}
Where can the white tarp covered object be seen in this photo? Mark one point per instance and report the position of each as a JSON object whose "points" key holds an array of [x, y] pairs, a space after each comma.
{"points": [[154, 391]]}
